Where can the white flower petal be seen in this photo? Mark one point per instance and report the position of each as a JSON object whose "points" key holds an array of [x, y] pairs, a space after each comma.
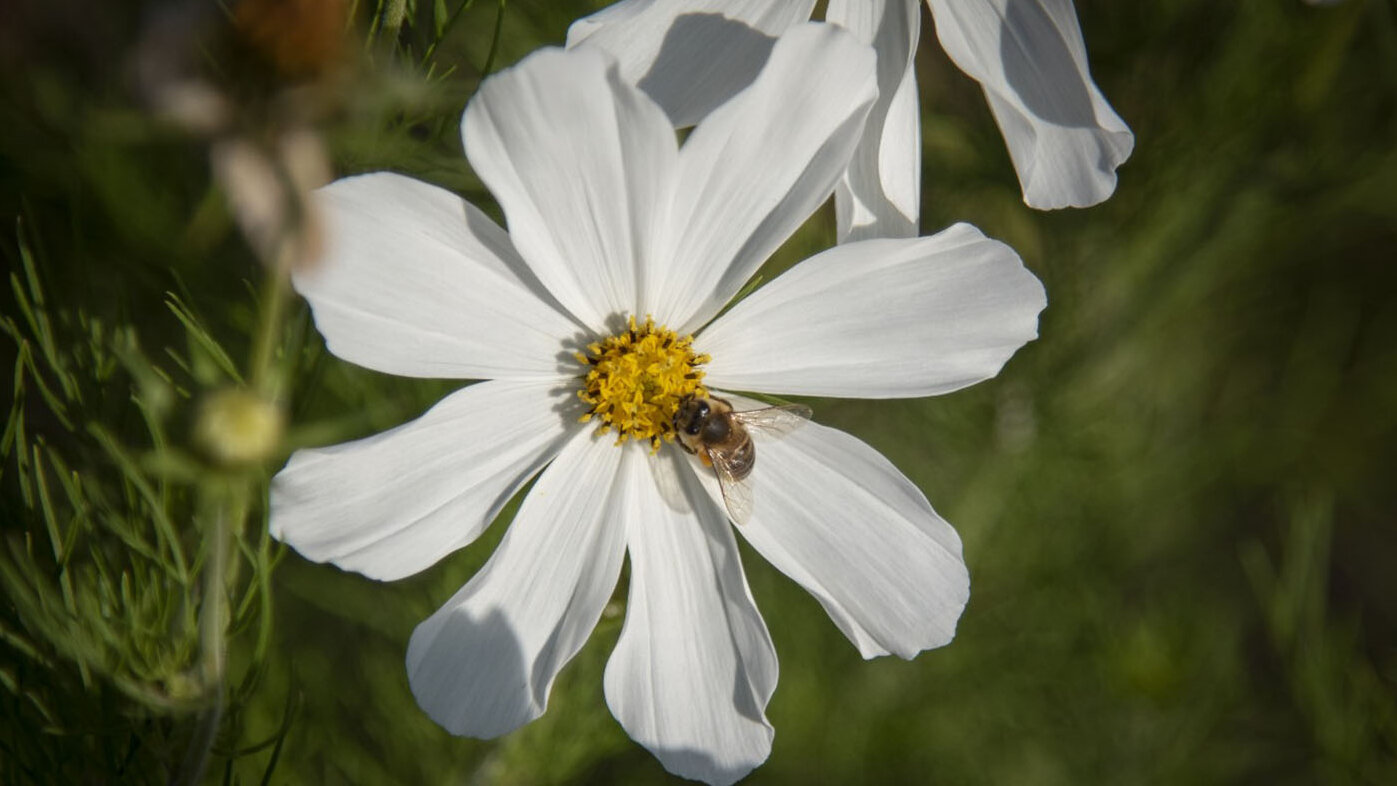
{"points": [[1065, 139], [392, 504], [758, 166], [483, 664], [837, 517], [580, 161], [694, 667], [880, 194], [880, 319], [417, 282], [689, 55]]}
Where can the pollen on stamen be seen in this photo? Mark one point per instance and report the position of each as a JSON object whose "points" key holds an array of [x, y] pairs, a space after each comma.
{"points": [[635, 380]]}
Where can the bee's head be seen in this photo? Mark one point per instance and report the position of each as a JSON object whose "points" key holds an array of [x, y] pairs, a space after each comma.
{"points": [[692, 414]]}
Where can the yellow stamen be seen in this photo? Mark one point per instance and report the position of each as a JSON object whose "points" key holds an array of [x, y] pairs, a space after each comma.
{"points": [[636, 379]]}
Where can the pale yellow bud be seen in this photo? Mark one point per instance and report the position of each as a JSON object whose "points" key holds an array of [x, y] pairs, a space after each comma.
{"points": [[239, 427]]}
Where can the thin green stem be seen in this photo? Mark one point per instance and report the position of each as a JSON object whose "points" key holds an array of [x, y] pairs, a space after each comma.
{"points": [[446, 28], [212, 647], [494, 41], [262, 364]]}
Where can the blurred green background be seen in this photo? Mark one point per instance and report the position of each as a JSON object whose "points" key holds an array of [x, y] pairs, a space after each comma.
{"points": [[1177, 505]]}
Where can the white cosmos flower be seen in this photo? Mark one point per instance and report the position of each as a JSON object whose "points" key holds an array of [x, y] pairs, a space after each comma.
{"points": [[610, 221], [1064, 138]]}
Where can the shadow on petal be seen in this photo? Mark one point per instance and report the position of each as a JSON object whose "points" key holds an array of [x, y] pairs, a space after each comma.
{"points": [[669, 482], [446, 680], [705, 59], [712, 518], [1039, 66]]}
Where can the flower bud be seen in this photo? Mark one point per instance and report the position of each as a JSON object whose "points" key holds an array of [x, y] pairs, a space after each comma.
{"points": [[239, 427]]}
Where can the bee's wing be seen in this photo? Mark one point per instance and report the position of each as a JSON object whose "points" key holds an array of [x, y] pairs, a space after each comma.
{"points": [[737, 494], [775, 421]]}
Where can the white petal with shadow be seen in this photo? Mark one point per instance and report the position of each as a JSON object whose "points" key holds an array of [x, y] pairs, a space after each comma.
{"points": [[417, 282], [880, 319], [1064, 138], [880, 194], [483, 664], [393, 504], [581, 162], [757, 167], [837, 517], [689, 56], [694, 668]]}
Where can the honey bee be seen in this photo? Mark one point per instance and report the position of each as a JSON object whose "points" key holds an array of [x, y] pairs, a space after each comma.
{"points": [[710, 429]]}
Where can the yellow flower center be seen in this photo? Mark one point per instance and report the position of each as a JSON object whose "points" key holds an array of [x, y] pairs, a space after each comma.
{"points": [[636, 379]]}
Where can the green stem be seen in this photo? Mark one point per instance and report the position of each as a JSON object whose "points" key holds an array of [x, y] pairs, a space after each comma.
{"points": [[446, 28], [211, 645], [211, 625], [494, 40], [262, 364]]}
